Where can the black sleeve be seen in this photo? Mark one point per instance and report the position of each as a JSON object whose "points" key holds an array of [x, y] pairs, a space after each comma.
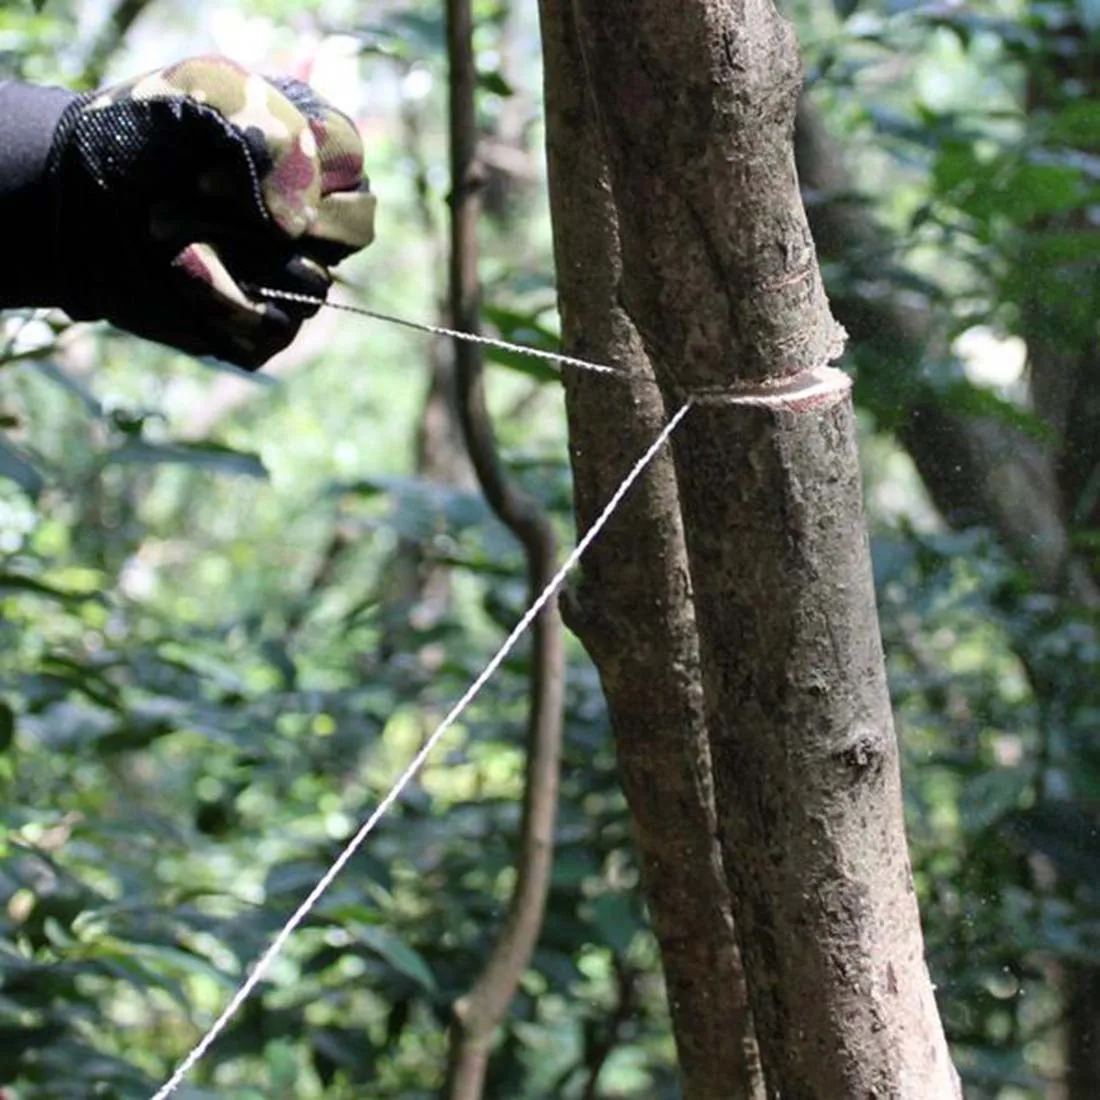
{"points": [[28, 119]]}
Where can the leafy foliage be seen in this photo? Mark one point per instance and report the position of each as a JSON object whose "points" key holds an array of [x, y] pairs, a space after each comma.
{"points": [[223, 635]]}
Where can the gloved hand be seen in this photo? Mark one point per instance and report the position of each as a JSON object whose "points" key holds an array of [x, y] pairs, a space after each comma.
{"points": [[178, 194]]}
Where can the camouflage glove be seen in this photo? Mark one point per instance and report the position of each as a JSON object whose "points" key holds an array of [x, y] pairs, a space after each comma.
{"points": [[178, 194]]}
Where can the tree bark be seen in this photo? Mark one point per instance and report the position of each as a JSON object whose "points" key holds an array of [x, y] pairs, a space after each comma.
{"points": [[697, 104], [633, 609], [1082, 1033]]}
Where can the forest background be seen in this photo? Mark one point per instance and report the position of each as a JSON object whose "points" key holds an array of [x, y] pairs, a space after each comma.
{"points": [[231, 608]]}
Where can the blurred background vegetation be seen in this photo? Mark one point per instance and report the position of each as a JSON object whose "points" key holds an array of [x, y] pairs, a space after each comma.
{"points": [[231, 608]]}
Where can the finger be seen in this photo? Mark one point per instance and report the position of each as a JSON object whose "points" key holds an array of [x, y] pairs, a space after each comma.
{"points": [[206, 274], [300, 275], [344, 225], [231, 324], [344, 222], [257, 268], [304, 276]]}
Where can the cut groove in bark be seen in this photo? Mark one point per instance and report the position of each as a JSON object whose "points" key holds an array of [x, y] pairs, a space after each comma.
{"points": [[632, 610], [697, 105]]}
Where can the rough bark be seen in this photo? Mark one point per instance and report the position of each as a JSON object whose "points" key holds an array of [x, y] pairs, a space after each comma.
{"points": [[685, 101], [697, 106], [480, 1012], [806, 767], [633, 608]]}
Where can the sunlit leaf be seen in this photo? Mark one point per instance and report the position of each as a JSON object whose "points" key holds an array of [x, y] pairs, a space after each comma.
{"points": [[17, 583]]}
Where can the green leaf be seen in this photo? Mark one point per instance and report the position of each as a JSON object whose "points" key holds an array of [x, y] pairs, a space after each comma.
{"points": [[993, 795], [405, 34], [177, 961], [282, 1067], [495, 83], [88, 681], [17, 467], [964, 396], [1038, 187], [540, 370], [293, 877], [559, 968], [342, 1048], [206, 456], [956, 166], [397, 953], [1077, 124], [17, 583], [616, 919], [527, 330]]}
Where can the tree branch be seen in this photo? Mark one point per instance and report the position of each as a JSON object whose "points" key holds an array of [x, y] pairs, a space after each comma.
{"points": [[478, 1014], [123, 16]]}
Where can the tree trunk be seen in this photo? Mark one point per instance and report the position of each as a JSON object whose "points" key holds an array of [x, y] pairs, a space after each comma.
{"points": [[1082, 1032], [633, 609], [697, 102]]}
